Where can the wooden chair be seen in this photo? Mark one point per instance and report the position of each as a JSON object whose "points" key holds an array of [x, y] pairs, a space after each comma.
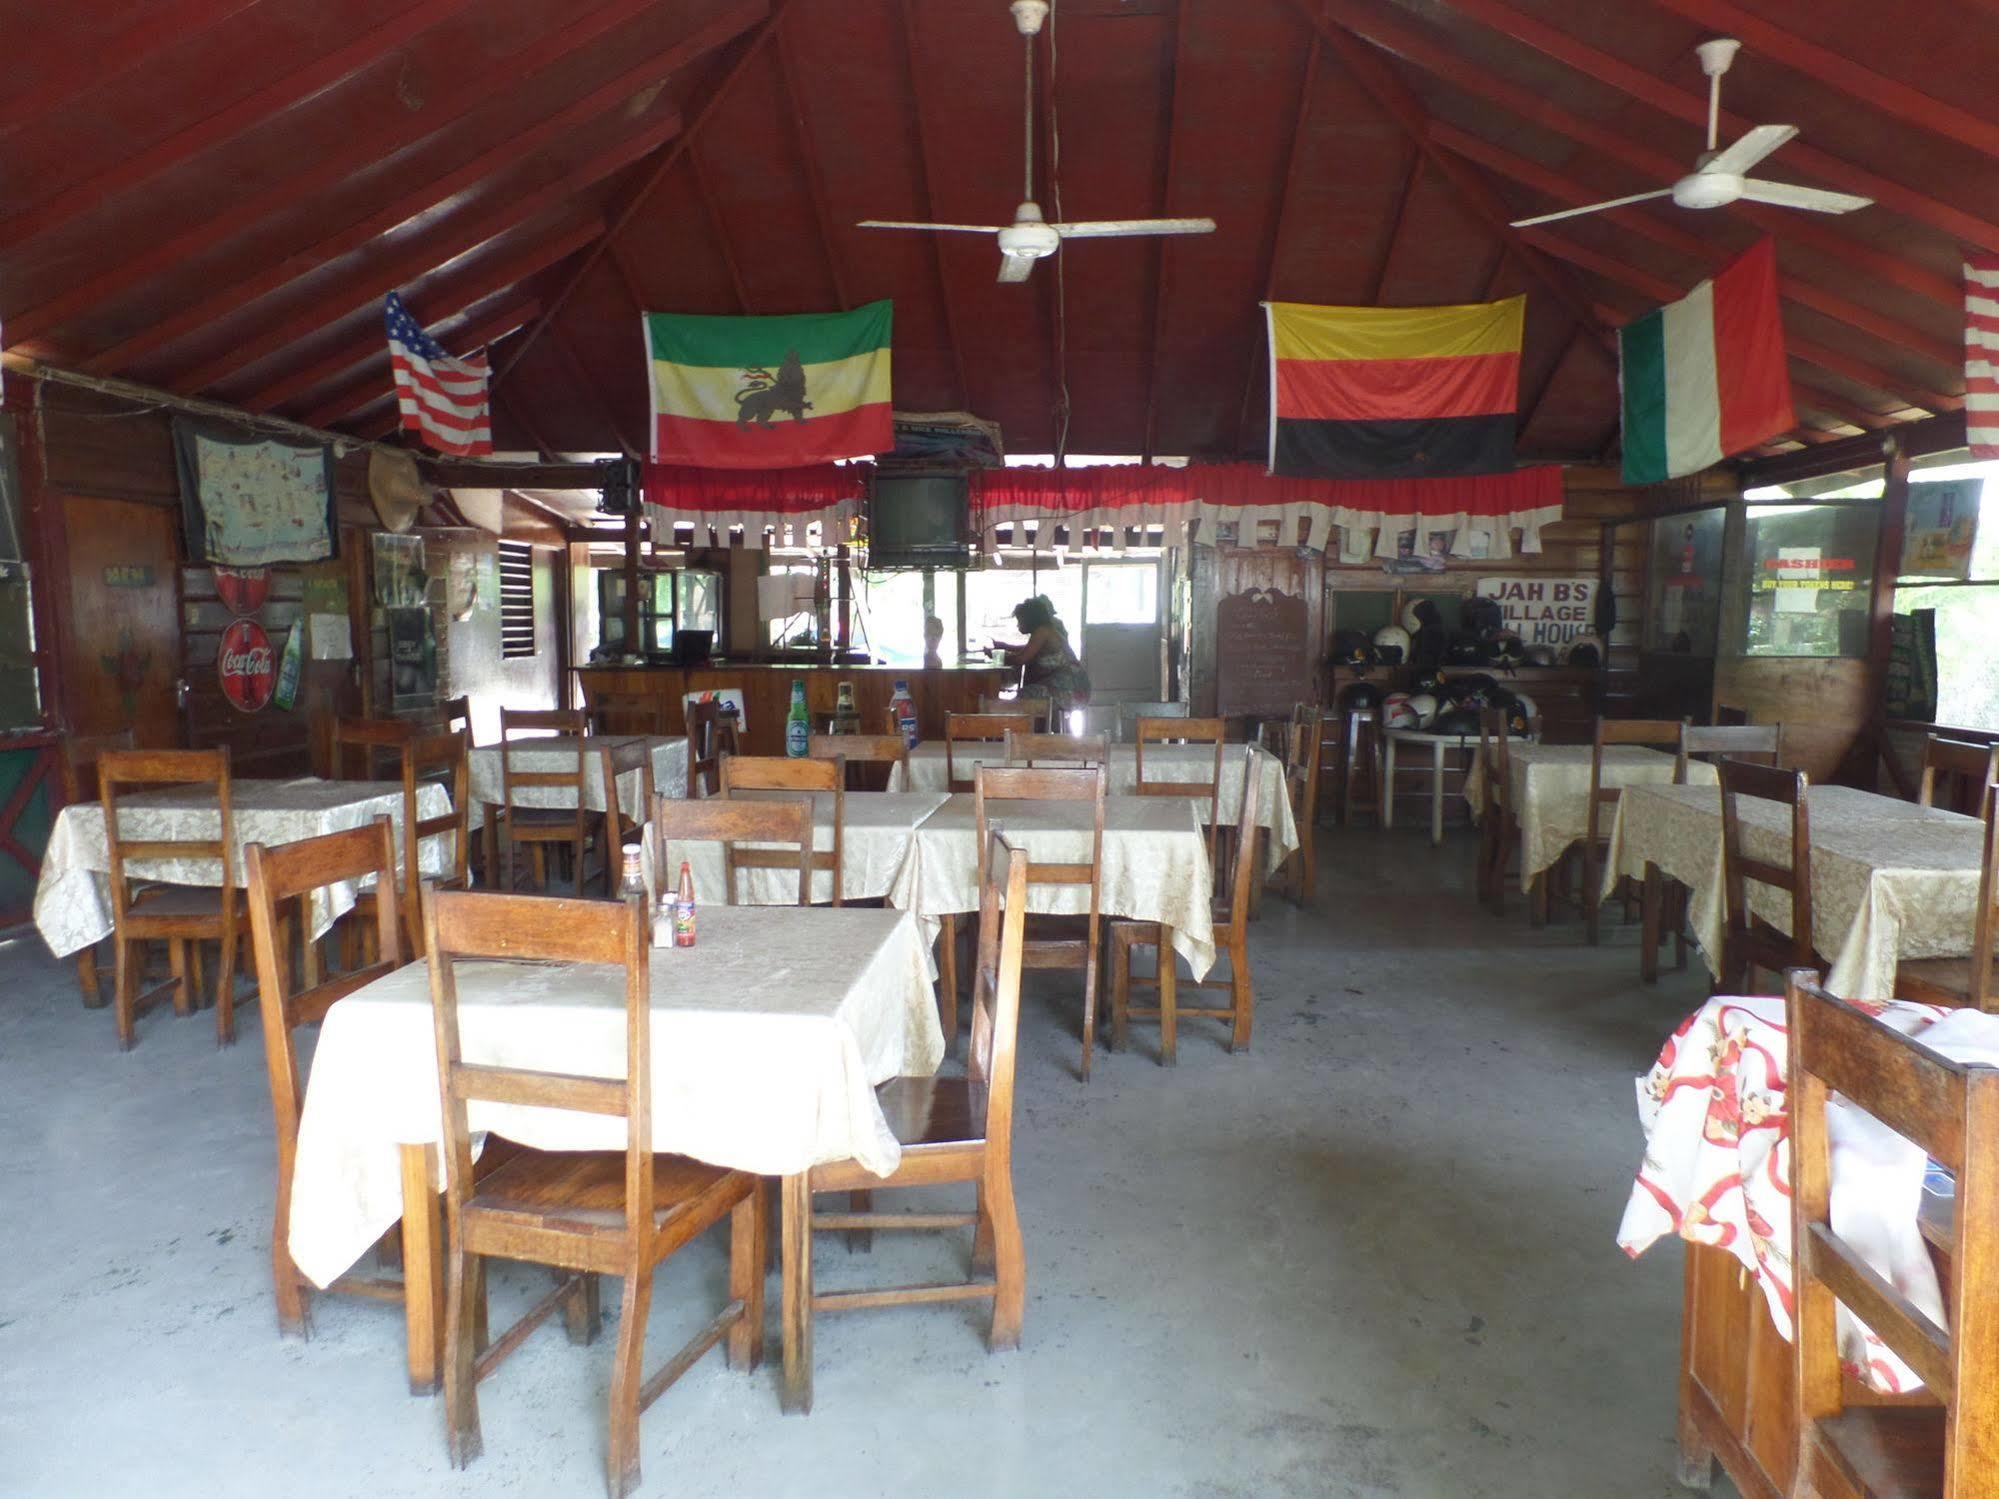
{"points": [[275, 878], [715, 820], [539, 827], [1966, 980], [1130, 713], [1191, 731], [1750, 942], [759, 777], [1948, 1449], [711, 734], [1069, 941], [865, 749], [367, 749], [976, 728], [627, 712], [1082, 750], [952, 1129], [589, 1213], [1304, 745], [1761, 744], [1231, 925], [1967, 769], [622, 831], [182, 916], [80, 754], [436, 756], [1657, 732], [1035, 706]]}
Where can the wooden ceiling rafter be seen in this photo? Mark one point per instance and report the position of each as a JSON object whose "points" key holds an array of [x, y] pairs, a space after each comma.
{"points": [[641, 194], [566, 349], [808, 161], [926, 166], [253, 109], [1531, 408], [1161, 262], [1649, 88], [63, 77], [1411, 180], [717, 226], [626, 275], [1570, 193], [519, 418], [361, 395], [1654, 167]]}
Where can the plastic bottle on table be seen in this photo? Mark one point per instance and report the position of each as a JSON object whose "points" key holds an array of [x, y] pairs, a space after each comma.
{"points": [[902, 708]]}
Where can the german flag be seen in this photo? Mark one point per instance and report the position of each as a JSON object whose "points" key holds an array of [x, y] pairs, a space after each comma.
{"points": [[769, 392], [1393, 392]]}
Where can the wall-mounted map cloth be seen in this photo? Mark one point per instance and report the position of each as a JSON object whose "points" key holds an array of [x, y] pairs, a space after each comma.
{"points": [[248, 500]]}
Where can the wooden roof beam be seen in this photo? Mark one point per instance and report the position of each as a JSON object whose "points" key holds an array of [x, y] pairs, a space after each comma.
{"points": [[253, 109], [1647, 87], [461, 342], [594, 387], [1655, 167], [1161, 262], [1570, 193], [927, 209], [808, 161], [717, 227], [59, 78], [1411, 180]]}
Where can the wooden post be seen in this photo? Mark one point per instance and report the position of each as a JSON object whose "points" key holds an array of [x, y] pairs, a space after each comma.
{"points": [[633, 645], [1881, 605]]}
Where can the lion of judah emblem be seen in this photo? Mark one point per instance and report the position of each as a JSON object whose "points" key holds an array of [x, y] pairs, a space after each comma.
{"points": [[766, 395]]}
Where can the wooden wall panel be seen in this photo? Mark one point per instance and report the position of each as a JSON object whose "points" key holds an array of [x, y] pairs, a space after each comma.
{"points": [[1825, 706]]}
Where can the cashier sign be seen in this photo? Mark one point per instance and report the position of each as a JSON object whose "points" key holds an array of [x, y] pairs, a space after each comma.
{"points": [[1543, 611]]}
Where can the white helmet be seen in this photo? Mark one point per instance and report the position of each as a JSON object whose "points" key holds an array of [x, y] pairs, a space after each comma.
{"points": [[1398, 711], [1411, 621], [1425, 706], [1395, 638]]}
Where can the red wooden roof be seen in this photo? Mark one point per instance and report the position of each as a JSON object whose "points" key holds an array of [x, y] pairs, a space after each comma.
{"points": [[213, 195]]}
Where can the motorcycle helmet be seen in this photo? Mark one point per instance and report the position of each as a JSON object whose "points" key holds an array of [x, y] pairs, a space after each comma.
{"points": [[1429, 679], [1540, 655], [1520, 714], [1481, 617], [1399, 712], [1586, 653], [1411, 620], [1425, 708], [1460, 721], [1352, 648], [1468, 650], [1356, 696], [1507, 651], [1391, 645]]}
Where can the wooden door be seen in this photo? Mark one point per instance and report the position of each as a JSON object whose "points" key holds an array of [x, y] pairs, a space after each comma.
{"points": [[123, 623]]}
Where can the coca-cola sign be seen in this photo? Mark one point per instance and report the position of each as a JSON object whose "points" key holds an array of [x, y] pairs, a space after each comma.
{"points": [[247, 665], [243, 589]]}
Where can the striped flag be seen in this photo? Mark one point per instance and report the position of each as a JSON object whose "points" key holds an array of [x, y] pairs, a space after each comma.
{"points": [[443, 399], [1705, 377], [769, 392], [1981, 355]]}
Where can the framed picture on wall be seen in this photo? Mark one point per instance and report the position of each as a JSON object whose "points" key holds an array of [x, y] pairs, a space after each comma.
{"points": [[400, 579], [412, 659]]}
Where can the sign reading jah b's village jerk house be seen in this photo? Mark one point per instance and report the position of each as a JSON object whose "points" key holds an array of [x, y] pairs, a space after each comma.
{"points": [[1544, 611]]}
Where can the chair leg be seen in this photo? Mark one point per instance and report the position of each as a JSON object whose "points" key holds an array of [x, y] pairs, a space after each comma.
{"points": [[627, 1373], [795, 1232], [86, 978], [947, 980], [1242, 993], [1009, 1262], [286, 1283], [225, 991], [177, 965], [1089, 1011], [1168, 968], [749, 1228], [125, 990], [982, 1233], [1120, 992], [860, 1240], [582, 1308], [461, 1389]]}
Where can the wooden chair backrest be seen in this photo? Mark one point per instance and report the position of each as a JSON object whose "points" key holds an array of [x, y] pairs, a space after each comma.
{"points": [[1495, 753], [719, 820], [1130, 713], [1180, 730], [1740, 778], [758, 777], [274, 877], [1000, 784], [1055, 749], [530, 724], [80, 754], [862, 749], [611, 761], [1304, 752], [627, 712], [122, 771], [1763, 742], [1038, 708], [1985, 931], [1950, 1110], [364, 747], [454, 715], [482, 926], [711, 734], [440, 756], [1242, 874], [996, 987], [1659, 733], [1968, 768], [976, 728]]}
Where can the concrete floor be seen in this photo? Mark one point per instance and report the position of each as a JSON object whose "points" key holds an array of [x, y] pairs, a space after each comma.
{"points": [[1372, 1257]]}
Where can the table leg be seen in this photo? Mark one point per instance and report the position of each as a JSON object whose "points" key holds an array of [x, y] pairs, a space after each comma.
{"points": [[423, 1268], [489, 839], [1437, 794], [1537, 900], [1169, 1000], [1387, 780], [795, 1236], [1648, 941]]}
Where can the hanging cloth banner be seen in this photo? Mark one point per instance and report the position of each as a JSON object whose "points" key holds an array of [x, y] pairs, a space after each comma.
{"points": [[1480, 511], [715, 500]]}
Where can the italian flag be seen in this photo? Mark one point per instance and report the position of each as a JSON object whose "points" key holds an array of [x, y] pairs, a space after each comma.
{"points": [[1705, 377], [769, 392]]}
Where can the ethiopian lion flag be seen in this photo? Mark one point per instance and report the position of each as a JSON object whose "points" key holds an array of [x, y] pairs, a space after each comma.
{"points": [[769, 392]]}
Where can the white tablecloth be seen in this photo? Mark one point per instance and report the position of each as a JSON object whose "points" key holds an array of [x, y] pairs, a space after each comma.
{"points": [[557, 752], [73, 894], [768, 1039], [879, 826], [1163, 762], [1549, 792], [1155, 863], [1890, 880]]}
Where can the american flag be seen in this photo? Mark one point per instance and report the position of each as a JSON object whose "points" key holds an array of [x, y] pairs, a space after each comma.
{"points": [[441, 398], [1981, 355]]}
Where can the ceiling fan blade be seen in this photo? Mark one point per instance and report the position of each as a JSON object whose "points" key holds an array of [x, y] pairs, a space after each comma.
{"points": [[1790, 195], [1569, 213], [1755, 144], [953, 228], [1015, 267], [1105, 228]]}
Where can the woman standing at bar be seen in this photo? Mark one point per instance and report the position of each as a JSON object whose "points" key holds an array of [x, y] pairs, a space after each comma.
{"points": [[1048, 665]]}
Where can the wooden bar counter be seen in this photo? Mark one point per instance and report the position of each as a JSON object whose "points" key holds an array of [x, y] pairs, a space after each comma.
{"points": [[766, 689]]}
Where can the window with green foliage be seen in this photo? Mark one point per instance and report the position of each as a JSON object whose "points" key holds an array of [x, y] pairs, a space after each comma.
{"points": [[1950, 564]]}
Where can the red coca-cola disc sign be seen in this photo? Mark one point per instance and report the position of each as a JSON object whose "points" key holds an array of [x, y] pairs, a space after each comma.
{"points": [[247, 665], [243, 589]]}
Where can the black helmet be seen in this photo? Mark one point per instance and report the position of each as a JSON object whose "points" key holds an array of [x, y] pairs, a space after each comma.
{"points": [[1507, 651], [1357, 695], [1459, 720], [1428, 679], [1520, 713], [1426, 614], [1468, 650], [1352, 648], [1477, 616], [1585, 653]]}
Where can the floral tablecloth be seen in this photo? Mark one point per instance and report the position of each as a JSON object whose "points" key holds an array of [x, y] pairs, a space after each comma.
{"points": [[1717, 1164], [557, 752], [73, 893], [879, 826], [1890, 880], [1549, 792]]}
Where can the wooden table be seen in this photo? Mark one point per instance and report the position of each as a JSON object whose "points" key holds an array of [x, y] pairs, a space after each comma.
{"points": [[769, 1038], [877, 830], [486, 776]]}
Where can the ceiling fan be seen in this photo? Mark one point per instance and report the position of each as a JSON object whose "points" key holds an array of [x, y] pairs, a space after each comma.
{"points": [[1030, 237], [1717, 178]]}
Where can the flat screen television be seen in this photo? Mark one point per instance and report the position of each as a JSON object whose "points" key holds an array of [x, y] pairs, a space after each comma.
{"points": [[919, 520]]}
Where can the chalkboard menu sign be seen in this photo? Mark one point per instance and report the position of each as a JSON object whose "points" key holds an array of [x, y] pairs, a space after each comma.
{"points": [[1263, 659], [1911, 690]]}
